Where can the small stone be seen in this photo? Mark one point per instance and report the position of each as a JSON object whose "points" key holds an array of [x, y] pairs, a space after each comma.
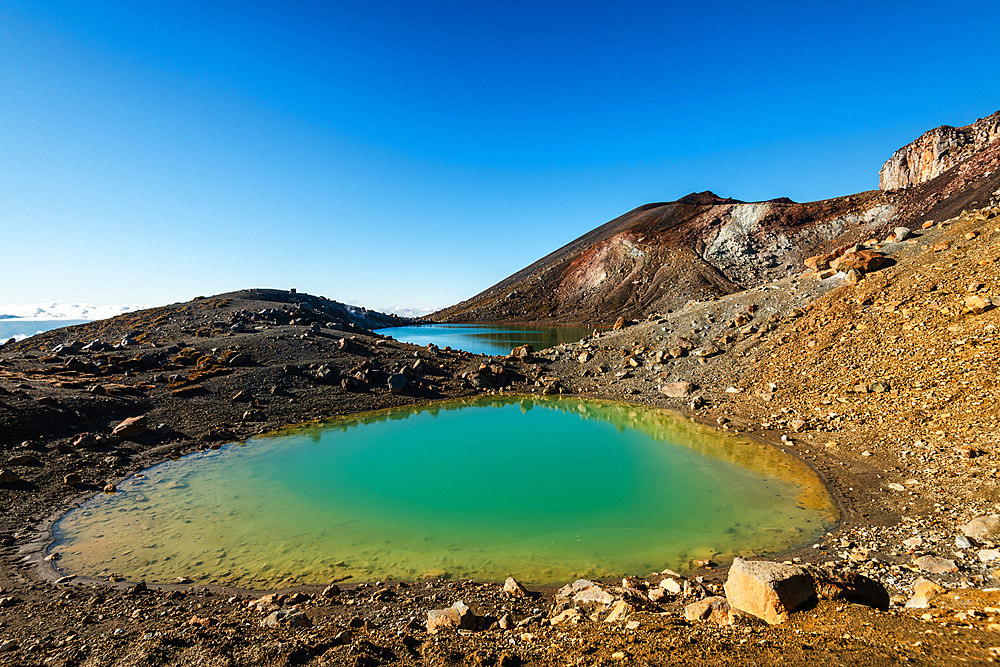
{"points": [[523, 352], [715, 608], [130, 428], [963, 542], [670, 585], [110, 488], [678, 389], [936, 565], [454, 617], [72, 479], [925, 586], [619, 612], [987, 555], [585, 593], [290, 617], [901, 233], [573, 616], [8, 476], [10, 644], [512, 587], [923, 592], [941, 247], [981, 527], [619, 324], [977, 304], [331, 591], [913, 541], [896, 487], [397, 383], [632, 625]]}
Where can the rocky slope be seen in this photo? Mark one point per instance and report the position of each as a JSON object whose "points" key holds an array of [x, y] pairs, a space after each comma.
{"points": [[936, 151]]}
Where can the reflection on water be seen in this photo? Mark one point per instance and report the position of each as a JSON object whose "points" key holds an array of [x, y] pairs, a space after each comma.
{"points": [[544, 489], [489, 338]]}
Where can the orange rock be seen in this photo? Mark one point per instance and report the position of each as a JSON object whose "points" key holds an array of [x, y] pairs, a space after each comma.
{"points": [[130, 428], [863, 261]]}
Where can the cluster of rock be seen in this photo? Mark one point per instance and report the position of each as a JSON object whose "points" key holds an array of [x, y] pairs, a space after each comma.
{"points": [[761, 589]]}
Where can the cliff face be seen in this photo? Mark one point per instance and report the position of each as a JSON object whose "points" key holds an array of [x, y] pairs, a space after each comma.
{"points": [[936, 151]]}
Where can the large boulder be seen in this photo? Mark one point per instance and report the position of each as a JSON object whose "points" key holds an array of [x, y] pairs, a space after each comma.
{"points": [[770, 591]]}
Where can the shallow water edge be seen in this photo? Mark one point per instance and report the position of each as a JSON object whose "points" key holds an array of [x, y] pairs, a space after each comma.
{"points": [[701, 440]]}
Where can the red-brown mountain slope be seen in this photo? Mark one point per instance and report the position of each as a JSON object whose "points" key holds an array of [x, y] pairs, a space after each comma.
{"points": [[660, 256]]}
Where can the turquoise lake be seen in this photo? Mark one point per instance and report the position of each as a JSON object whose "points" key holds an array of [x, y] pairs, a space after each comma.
{"points": [[487, 339], [546, 490]]}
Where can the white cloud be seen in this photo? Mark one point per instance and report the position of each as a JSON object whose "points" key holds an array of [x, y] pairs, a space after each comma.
{"points": [[67, 311], [406, 311]]}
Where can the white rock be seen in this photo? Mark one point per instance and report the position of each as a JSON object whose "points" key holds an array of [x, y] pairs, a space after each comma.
{"points": [[986, 555]]}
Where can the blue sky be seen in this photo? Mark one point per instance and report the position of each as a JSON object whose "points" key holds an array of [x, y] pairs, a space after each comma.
{"points": [[412, 154]]}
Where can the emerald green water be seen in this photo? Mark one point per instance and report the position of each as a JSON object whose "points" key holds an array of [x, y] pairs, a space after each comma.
{"points": [[546, 490]]}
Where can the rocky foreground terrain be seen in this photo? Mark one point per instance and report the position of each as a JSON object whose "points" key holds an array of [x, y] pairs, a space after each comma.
{"points": [[874, 360]]}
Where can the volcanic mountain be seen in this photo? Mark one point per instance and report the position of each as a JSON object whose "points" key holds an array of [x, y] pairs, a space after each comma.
{"points": [[660, 256]]}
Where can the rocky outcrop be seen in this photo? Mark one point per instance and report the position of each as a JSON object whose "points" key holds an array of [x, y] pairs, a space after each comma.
{"points": [[936, 151]]}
